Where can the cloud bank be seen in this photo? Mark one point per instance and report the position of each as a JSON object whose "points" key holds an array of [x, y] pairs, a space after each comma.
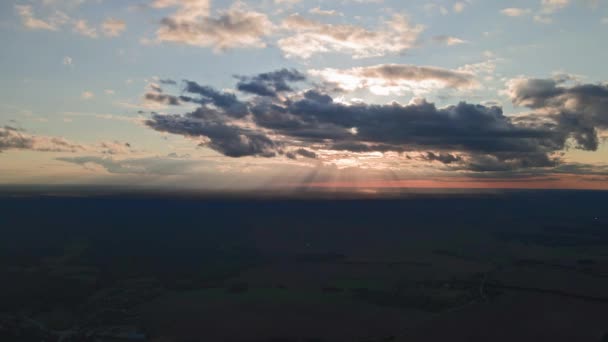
{"points": [[275, 117]]}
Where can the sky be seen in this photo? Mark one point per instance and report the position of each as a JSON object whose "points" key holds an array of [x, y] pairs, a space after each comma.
{"points": [[304, 94]]}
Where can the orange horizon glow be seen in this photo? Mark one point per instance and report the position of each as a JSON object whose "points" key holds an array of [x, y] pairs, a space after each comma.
{"points": [[570, 182]]}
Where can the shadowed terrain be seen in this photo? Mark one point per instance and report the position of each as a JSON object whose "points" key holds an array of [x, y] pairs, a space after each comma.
{"points": [[504, 266]]}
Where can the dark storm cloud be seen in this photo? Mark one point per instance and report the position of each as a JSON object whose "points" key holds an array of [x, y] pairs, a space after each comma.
{"points": [[446, 158], [228, 102], [270, 83], [490, 138], [579, 168], [226, 138], [463, 127], [162, 98], [509, 161], [462, 136], [578, 111]]}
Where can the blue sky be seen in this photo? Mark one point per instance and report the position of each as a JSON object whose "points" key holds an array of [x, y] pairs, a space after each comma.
{"points": [[81, 83]]}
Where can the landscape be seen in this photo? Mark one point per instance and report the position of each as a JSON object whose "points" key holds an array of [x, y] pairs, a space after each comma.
{"points": [[303, 171], [416, 267]]}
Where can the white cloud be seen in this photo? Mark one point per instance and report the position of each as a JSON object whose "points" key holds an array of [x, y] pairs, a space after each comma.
{"points": [[386, 79], [482, 68], [58, 19], [290, 2], [459, 6], [236, 27], [516, 12], [82, 27], [188, 10], [63, 3], [29, 21], [551, 6], [113, 27], [67, 60], [319, 11], [312, 37], [11, 138], [449, 40]]}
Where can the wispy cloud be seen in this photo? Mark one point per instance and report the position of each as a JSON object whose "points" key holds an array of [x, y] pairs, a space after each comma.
{"points": [[449, 40], [236, 27], [113, 27], [311, 37], [82, 27], [516, 12], [52, 23], [87, 95], [386, 79]]}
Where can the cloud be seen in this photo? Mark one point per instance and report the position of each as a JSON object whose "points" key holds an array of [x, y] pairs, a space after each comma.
{"points": [[312, 37], [516, 12], [542, 15], [113, 27], [12, 138], [67, 60], [385, 79], [551, 6], [228, 103], [187, 9], [462, 127], [82, 27], [58, 19], [302, 153], [448, 40], [271, 83], [445, 158], [139, 166], [459, 6], [16, 139], [87, 95], [29, 21], [114, 147], [70, 4], [579, 110], [154, 97], [463, 136], [162, 99], [289, 2], [224, 137], [318, 11], [236, 27], [216, 122]]}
